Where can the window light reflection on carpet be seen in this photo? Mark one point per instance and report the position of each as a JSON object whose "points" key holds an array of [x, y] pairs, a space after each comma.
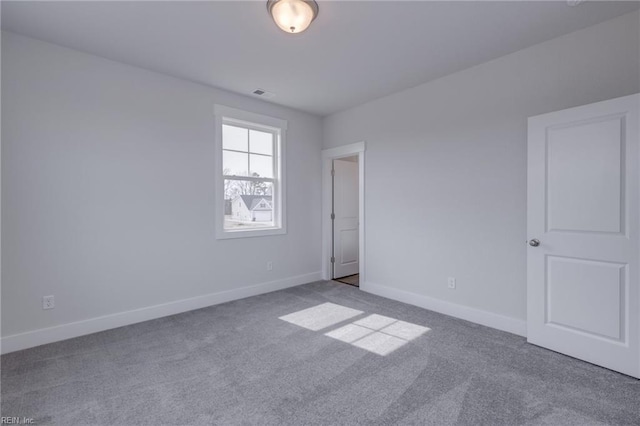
{"points": [[375, 333]]}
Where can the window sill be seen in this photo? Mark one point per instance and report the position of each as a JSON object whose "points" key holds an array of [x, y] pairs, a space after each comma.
{"points": [[249, 233]]}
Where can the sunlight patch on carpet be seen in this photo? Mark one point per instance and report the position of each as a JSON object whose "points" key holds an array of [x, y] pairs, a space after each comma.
{"points": [[380, 343], [378, 334], [349, 333], [375, 333], [321, 316], [375, 321]]}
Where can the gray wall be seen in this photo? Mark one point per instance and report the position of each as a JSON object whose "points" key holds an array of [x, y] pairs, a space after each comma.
{"points": [[107, 190], [446, 163]]}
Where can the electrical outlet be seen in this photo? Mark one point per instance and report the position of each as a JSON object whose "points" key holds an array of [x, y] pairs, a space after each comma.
{"points": [[451, 282], [48, 302], [269, 266]]}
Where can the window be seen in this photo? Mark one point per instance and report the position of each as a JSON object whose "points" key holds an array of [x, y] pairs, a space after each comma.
{"points": [[251, 184]]}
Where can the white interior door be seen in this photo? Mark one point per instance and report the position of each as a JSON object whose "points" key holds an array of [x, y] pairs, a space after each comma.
{"points": [[345, 224], [583, 228]]}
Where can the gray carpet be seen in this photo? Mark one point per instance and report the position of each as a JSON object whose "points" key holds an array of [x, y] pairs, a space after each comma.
{"points": [[238, 363]]}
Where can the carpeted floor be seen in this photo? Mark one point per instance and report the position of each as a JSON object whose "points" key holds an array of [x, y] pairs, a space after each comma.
{"points": [[239, 363]]}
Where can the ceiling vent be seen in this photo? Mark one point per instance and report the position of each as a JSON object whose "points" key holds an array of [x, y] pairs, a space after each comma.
{"points": [[263, 93]]}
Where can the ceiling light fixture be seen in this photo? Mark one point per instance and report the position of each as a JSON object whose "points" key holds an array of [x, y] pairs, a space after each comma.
{"points": [[293, 16]]}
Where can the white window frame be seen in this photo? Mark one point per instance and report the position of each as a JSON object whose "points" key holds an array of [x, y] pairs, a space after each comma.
{"points": [[227, 115]]}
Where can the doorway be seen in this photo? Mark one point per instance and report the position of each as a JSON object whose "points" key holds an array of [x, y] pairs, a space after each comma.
{"points": [[344, 217], [343, 237]]}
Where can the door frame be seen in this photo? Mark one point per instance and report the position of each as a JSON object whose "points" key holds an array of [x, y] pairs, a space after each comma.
{"points": [[328, 155]]}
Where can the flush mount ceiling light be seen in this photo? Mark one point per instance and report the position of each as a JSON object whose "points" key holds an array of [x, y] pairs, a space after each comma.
{"points": [[293, 16]]}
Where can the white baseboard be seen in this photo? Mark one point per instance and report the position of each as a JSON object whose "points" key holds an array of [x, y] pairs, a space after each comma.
{"points": [[478, 316], [42, 336]]}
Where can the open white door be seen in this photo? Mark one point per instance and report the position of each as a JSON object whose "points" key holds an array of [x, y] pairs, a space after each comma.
{"points": [[345, 224], [583, 225]]}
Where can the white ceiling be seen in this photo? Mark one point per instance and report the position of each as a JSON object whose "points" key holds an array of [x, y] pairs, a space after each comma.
{"points": [[354, 52]]}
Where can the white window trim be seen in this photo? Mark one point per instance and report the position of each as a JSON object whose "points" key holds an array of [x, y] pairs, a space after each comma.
{"points": [[245, 118]]}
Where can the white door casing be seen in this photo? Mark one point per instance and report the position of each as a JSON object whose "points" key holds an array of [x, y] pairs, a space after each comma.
{"points": [[357, 149], [583, 296], [345, 208]]}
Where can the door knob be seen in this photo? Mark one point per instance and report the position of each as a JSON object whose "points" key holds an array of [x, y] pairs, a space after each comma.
{"points": [[534, 243]]}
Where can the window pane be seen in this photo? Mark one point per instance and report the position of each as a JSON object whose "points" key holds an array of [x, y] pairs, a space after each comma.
{"points": [[261, 165], [235, 163], [248, 205], [260, 142], [235, 138]]}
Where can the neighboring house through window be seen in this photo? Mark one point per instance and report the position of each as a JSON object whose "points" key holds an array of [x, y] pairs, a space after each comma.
{"points": [[250, 149]]}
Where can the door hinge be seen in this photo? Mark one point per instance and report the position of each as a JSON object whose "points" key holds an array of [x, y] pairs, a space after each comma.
{"points": [[333, 172], [333, 259], [333, 216]]}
